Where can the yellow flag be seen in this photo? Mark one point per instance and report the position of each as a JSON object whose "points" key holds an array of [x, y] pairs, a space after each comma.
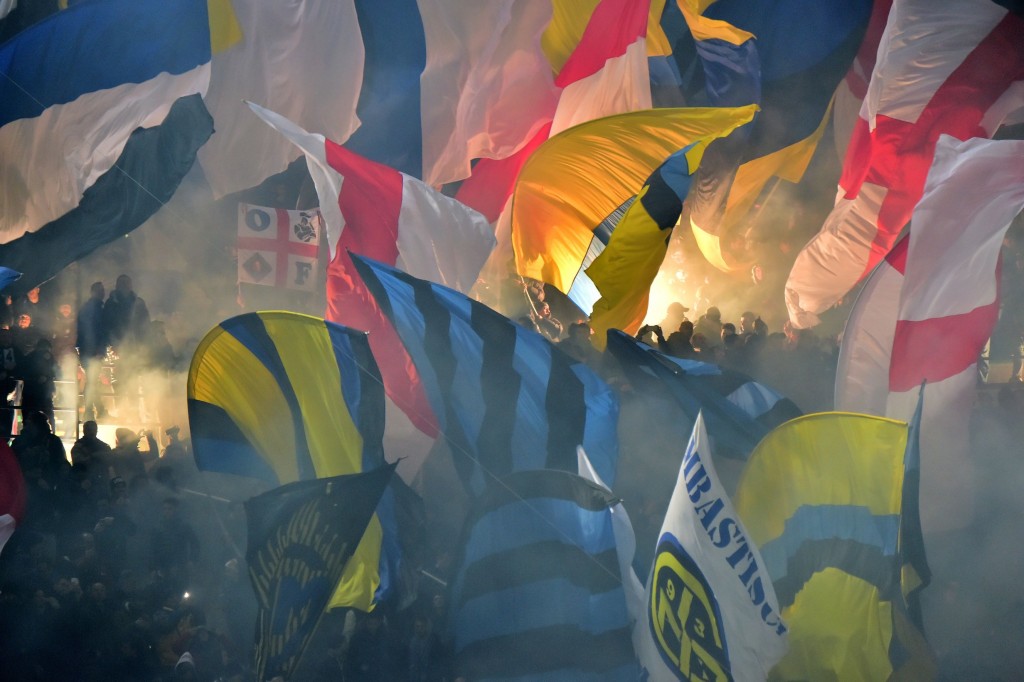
{"points": [[624, 271], [821, 497], [580, 176]]}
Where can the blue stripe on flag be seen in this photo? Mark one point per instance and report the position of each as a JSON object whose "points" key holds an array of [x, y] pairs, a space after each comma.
{"points": [[389, 102], [128, 41], [830, 522], [538, 605], [793, 34], [513, 526]]}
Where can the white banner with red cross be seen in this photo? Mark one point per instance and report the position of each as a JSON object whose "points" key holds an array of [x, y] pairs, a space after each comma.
{"points": [[278, 247]]}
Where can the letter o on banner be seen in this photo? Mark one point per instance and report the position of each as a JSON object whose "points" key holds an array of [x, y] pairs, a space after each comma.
{"points": [[257, 220]]}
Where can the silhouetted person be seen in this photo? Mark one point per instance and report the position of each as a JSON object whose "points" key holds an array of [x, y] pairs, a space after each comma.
{"points": [[371, 655], [174, 546], [39, 371], [127, 321], [92, 347]]}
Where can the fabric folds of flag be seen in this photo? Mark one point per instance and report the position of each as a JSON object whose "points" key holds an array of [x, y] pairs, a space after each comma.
{"points": [[300, 538], [389, 216], [929, 309], [287, 397], [606, 73], [624, 271], [822, 497], [76, 85], [505, 398], [592, 47], [738, 411], [487, 87], [711, 612], [148, 171], [7, 277], [395, 50], [596, 166], [537, 592], [958, 70], [790, 69], [303, 59], [12, 493]]}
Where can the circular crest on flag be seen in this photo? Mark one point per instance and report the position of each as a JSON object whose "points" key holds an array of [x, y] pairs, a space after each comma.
{"points": [[684, 616], [305, 230]]}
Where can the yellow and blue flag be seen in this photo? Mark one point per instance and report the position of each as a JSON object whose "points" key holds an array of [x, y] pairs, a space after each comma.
{"points": [[822, 497], [789, 60], [300, 537], [624, 271], [579, 177], [287, 397]]}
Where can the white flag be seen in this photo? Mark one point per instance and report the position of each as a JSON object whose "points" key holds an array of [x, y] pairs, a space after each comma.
{"points": [[711, 611]]}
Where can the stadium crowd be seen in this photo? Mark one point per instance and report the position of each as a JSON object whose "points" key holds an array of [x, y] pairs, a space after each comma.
{"points": [[128, 568]]}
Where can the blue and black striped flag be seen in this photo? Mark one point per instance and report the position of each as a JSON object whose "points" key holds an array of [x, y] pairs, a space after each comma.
{"points": [[738, 411], [537, 592], [506, 399]]}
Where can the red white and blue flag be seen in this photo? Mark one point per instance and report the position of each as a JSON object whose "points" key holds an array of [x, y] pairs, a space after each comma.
{"points": [[375, 211]]}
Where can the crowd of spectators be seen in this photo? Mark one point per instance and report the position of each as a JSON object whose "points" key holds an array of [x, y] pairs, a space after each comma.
{"points": [[120, 573], [105, 348]]}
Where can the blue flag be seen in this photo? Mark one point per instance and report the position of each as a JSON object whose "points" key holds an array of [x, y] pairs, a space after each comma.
{"points": [[537, 593], [738, 411], [505, 398]]}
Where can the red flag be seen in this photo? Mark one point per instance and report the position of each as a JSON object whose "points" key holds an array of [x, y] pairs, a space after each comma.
{"points": [[942, 68], [378, 212]]}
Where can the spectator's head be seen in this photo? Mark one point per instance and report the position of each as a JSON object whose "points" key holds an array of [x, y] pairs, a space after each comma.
{"points": [[123, 284], [170, 507], [125, 436], [580, 332], [24, 321], [64, 310], [699, 342], [33, 295], [37, 422], [98, 592], [185, 668], [90, 429], [97, 291], [686, 329], [714, 314], [676, 311], [760, 327], [173, 432], [421, 625], [747, 322], [118, 487]]}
